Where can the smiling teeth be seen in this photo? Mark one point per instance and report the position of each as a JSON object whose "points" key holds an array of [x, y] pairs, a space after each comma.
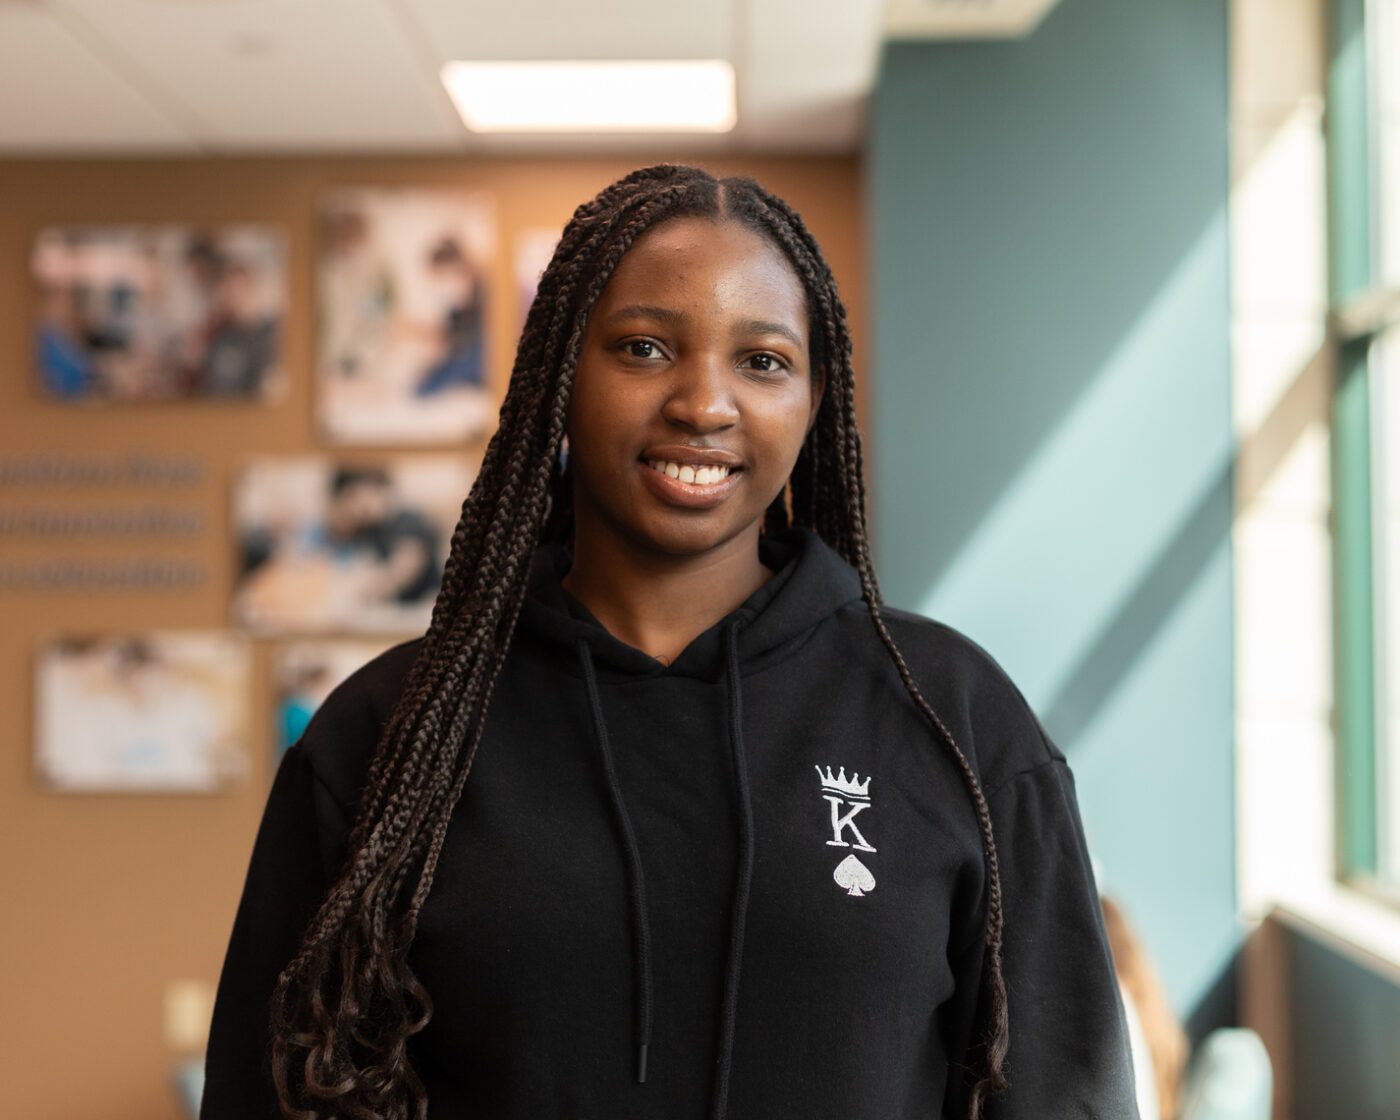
{"points": [[684, 472]]}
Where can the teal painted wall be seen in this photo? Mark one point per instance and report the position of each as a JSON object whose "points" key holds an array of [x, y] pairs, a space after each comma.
{"points": [[1051, 436]]}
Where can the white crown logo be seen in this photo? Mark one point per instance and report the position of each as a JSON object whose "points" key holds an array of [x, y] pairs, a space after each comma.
{"points": [[851, 787]]}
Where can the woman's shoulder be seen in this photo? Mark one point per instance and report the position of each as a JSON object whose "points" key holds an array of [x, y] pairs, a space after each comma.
{"points": [[341, 737], [970, 690]]}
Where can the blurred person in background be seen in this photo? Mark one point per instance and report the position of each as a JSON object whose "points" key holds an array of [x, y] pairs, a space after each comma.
{"points": [[239, 342], [1160, 1046], [366, 516], [457, 289]]}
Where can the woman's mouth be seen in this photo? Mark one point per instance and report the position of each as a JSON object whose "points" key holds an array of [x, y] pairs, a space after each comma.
{"points": [[690, 485], [697, 475]]}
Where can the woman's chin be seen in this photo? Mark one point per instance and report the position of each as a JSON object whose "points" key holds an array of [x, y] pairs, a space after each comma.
{"points": [[690, 534]]}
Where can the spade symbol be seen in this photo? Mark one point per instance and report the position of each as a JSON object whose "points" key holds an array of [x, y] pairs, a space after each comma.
{"points": [[854, 876]]}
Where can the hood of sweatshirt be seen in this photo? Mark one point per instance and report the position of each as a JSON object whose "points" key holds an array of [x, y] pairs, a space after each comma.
{"points": [[810, 582]]}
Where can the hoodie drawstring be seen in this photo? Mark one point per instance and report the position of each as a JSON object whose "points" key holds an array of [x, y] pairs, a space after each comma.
{"points": [[636, 879], [741, 887]]}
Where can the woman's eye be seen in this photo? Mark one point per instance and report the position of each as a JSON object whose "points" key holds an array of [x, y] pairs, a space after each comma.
{"points": [[633, 343], [771, 363]]}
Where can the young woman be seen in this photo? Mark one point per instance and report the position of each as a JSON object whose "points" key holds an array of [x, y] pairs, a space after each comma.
{"points": [[667, 816]]}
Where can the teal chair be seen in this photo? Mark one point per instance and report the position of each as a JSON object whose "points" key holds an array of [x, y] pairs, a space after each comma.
{"points": [[1230, 1078], [188, 1077]]}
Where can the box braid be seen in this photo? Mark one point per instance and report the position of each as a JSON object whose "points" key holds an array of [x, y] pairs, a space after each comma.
{"points": [[346, 1005]]}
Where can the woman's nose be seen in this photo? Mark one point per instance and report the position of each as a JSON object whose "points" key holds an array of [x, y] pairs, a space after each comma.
{"points": [[702, 395]]}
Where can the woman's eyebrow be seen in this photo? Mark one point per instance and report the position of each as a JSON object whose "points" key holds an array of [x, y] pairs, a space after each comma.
{"points": [[765, 326], [665, 315], [671, 317]]}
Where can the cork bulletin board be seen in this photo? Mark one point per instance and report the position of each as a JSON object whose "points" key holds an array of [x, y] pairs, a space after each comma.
{"points": [[137, 519]]}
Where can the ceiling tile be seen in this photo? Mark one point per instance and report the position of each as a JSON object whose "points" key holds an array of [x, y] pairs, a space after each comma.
{"points": [[566, 29], [362, 75], [57, 96], [806, 70], [284, 73]]}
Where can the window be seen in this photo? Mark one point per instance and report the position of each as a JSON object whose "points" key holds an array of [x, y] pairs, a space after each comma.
{"points": [[1364, 181]]}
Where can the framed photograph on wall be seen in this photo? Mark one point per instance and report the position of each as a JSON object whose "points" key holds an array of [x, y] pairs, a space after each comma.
{"points": [[326, 544], [142, 712], [159, 312], [402, 284], [304, 674]]}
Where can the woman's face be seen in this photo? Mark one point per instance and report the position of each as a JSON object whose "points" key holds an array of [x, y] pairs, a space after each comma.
{"points": [[696, 355]]}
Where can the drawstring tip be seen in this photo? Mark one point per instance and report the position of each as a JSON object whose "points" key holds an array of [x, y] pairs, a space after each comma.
{"points": [[641, 1063]]}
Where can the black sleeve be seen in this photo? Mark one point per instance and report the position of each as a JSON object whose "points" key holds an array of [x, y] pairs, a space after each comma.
{"points": [[287, 878], [1069, 1056]]}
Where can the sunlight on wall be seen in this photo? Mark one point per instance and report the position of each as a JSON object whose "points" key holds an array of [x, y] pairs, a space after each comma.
{"points": [[1054, 452], [1122, 439], [1281, 378]]}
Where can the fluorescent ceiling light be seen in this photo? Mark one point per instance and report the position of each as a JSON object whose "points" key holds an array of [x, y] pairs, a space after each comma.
{"points": [[690, 96]]}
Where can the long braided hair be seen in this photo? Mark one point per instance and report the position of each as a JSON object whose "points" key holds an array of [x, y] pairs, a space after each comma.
{"points": [[346, 1005]]}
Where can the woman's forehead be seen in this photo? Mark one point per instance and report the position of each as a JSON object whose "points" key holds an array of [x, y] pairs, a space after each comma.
{"points": [[708, 261]]}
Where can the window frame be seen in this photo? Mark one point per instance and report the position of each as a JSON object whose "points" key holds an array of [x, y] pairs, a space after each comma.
{"points": [[1360, 310]]}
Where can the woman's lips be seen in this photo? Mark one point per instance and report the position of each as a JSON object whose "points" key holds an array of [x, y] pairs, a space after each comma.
{"points": [[689, 495]]}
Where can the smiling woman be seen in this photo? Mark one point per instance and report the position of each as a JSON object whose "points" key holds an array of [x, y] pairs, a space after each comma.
{"points": [[685, 424], [741, 840]]}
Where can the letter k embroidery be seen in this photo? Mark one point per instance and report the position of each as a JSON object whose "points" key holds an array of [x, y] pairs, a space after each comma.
{"points": [[839, 824]]}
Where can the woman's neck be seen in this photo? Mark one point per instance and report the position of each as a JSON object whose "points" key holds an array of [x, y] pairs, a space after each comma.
{"points": [[659, 603]]}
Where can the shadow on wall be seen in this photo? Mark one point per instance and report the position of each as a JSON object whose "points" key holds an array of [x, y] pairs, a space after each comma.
{"points": [[1054, 459]]}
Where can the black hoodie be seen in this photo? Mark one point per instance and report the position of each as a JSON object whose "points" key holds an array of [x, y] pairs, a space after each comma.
{"points": [[753, 877]]}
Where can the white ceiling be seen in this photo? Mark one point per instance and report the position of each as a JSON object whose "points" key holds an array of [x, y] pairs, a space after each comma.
{"points": [[213, 76]]}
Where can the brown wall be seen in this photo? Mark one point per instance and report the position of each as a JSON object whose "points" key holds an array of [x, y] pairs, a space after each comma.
{"points": [[110, 899]]}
